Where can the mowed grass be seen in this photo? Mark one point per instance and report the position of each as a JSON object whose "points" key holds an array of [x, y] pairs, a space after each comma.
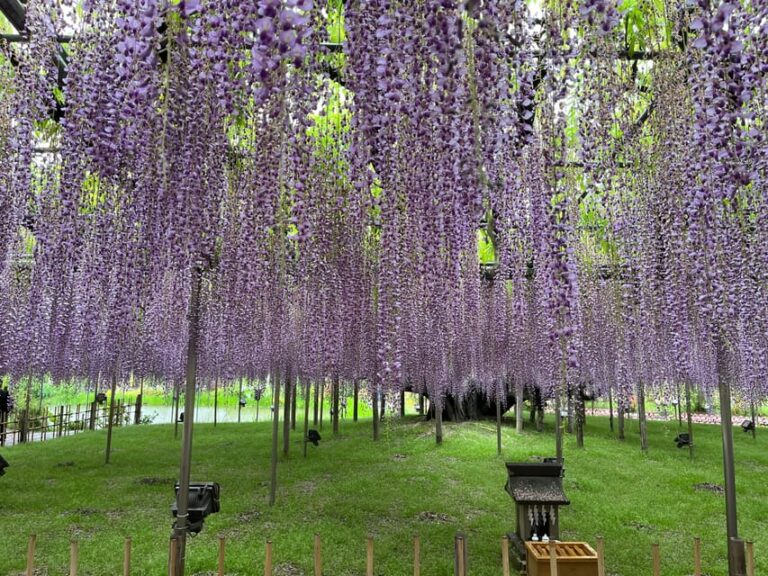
{"points": [[350, 487]]}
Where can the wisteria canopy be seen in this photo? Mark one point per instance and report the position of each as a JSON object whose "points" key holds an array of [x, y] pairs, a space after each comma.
{"points": [[433, 194]]}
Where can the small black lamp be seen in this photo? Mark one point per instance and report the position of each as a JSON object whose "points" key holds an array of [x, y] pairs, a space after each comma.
{"points": [[203, 501]]}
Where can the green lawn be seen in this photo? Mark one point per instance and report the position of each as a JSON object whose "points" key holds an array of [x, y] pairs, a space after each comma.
{"points": [[349, 487]]}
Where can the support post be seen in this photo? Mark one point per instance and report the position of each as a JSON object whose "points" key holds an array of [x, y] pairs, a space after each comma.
{"points": [[416, 555], [498, 425], [736, 552], [519, 408], [73, 557], [127, 557], [697, 556], [182, 500], [268, 559], [215, 401], [656, 560], [31, 554], [335, 403], [689, 417], [306, 415], [240, 400], [369, 556], [287, 411], [355, 400], [600, 556], [222, 544], [275, 431], [110, 424], [318, 556], [505, 556]]}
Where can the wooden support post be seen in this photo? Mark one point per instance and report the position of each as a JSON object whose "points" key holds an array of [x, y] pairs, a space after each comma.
{"points": [[505, 555], [600, 556], [31, 554], [222, 543], [73, 555], [402, 403], [750, 559], [697, 556], [460, 556], [656, 559], [318, 556], [369, 556], [267, 559], [416, 555], [127, 556], [552, 558], [173, 556]]}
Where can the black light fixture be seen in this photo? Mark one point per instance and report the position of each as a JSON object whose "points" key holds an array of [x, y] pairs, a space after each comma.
{"points": [[747, 425], [257, 394], [203, 501], [242, 402], [682, 440], [3, 465], [101, 398]]}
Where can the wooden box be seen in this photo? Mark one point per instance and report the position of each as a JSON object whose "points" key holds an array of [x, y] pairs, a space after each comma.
{"points": [[573, 559]]}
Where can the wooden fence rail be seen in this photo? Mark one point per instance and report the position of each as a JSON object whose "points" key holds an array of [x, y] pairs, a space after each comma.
{"points": [[461, 557], [55, 422]]}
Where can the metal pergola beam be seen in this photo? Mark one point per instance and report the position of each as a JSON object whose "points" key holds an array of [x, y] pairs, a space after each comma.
{"points": [[15, 12]]}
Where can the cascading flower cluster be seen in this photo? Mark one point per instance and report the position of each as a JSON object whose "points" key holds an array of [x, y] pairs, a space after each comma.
{"points": [[335, 227]]}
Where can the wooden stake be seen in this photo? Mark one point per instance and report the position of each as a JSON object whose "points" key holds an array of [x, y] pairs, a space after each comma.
{"points": [[31, 554], [221, 554], [127, 557], [552, 558], [369, 557], [750, 558], [656, 560], [318, 556], [460, 567], [73, 554], [267, 559], [416, 555], [173, 556], [600, 556], [505, 555], [697, 557]]}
